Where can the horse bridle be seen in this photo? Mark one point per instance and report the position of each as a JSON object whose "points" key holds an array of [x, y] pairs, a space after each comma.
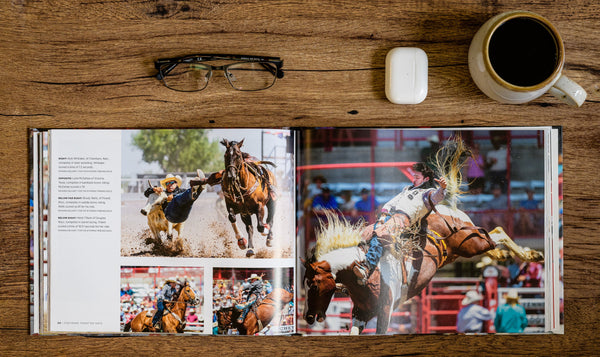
{"points": [[235, 183]]}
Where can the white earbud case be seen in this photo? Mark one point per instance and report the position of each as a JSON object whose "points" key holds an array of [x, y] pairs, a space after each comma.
{"points": [[406, 75]]}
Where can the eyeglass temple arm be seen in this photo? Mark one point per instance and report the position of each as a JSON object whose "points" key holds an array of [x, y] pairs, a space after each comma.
{"points": [[162, 72], [277, 71]]}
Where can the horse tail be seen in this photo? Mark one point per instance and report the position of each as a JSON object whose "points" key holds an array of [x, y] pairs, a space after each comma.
{"points": [[449, 160], [127, 327]]}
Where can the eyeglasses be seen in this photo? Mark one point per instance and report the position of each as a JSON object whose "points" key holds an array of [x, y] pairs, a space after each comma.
{"points": [[246, 73], [171, 182]]}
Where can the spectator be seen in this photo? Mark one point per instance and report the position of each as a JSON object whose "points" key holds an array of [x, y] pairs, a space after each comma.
{"points": [[324, 201], [526, 222], [347, 207], [267, 286], [366, 205], [319, 181], [530, 275], [476, 165], [499, 202], [496, 161], [192, 317], [471, 317], [511, 317], [514, 269]]}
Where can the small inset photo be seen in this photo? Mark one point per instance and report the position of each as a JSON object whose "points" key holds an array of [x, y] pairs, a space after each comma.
{"points": [[161, 299], [253, 301]]}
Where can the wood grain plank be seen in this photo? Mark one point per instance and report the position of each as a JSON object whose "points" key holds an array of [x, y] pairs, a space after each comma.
{"points": [[89, 64]]}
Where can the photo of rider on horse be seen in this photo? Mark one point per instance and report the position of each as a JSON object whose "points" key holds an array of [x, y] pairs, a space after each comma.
{"points": [[418, 232], [252, 305]]}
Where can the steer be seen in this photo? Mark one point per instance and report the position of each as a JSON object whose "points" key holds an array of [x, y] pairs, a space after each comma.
{"points": [[156, 217]]}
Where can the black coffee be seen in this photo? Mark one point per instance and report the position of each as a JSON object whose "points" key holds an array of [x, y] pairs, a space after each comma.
{"points": [[523, 52]]}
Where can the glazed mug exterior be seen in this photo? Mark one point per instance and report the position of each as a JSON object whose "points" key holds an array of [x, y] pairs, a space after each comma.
{"points": [[490, 83]]}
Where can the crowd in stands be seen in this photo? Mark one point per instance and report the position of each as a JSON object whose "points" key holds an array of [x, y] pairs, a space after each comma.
{"points": [[486, 199]]}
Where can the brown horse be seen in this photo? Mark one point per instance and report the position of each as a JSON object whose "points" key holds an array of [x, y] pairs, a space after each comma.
{"points": [[173, 320], [260, 314], [402, 273], [248, 189]]}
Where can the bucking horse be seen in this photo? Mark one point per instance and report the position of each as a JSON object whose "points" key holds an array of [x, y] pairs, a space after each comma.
{"points": [[407, 265], [260, 315]]}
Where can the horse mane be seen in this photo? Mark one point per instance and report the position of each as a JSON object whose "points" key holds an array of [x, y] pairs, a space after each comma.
{"points": [[449, 160], [335, 233]]}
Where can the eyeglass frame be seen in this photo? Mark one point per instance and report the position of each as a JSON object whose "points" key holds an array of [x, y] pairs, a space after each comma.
{"points": [[159, 63]]}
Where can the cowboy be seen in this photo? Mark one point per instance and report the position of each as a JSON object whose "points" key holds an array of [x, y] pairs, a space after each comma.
{"points": [[178, 205], [406, 209], [511, 316], [253, 288], [165, 294], [471, 317]]}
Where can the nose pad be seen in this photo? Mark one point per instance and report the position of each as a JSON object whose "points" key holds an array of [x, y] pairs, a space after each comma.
{"points": [[230, 76]]}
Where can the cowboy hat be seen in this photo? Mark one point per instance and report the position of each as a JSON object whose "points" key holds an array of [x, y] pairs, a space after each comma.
{"points": [[471, 297], [169, 178], [254, 276], [512, 294], [485, 261]]}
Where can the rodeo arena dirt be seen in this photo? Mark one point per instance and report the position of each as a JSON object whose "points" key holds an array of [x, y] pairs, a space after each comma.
{"points": [[207, 233]]}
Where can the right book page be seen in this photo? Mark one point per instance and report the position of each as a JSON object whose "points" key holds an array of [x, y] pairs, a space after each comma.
{"points": [[420, 231]]}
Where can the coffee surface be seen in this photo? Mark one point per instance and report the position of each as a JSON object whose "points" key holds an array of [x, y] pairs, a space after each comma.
{"points": [[523, 52]]}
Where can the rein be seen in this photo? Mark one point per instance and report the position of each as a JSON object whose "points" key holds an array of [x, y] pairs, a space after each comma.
{"points": [[454, 230], [235, 184]]}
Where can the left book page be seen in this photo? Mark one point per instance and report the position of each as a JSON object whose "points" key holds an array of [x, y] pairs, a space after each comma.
{"points": [[165, 230]]}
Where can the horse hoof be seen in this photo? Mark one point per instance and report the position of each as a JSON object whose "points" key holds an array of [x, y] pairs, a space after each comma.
{"points": [[142, 211], [249, 253], [242, 243], [269, 242]]}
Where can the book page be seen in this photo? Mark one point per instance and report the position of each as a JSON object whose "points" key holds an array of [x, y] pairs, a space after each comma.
{"points": [[85, 221], [172, 231], [409, 231]]}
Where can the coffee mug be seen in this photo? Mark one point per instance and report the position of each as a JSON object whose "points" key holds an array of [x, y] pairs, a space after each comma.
{"points": [[517, 56]]}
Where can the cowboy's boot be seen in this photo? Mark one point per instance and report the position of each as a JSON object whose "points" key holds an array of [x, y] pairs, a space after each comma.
{"points": [[197, 184]]}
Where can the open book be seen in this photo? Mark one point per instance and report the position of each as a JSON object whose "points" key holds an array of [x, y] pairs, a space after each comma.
{"points": [[319, 231]]}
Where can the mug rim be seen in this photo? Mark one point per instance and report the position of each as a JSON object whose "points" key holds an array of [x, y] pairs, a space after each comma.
{"points": [[503, 18]]}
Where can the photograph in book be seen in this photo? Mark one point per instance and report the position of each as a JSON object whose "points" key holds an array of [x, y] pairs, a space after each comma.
{"points": [[253, 301], [161, 299], [207, 193], [129, 206], [429, 231]]}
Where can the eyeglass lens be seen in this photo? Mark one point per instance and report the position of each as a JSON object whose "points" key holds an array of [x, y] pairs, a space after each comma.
{"points": [[243, 76]]}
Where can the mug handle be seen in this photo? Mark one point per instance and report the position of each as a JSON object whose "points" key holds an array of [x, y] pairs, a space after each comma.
{"points": [[568, 91]]}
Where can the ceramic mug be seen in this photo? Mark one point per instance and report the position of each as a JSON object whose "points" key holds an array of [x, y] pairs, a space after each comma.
{"points": [[517, 56]]}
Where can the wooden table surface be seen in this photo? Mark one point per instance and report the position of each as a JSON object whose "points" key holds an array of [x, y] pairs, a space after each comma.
{"points": [[89, 64]]}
